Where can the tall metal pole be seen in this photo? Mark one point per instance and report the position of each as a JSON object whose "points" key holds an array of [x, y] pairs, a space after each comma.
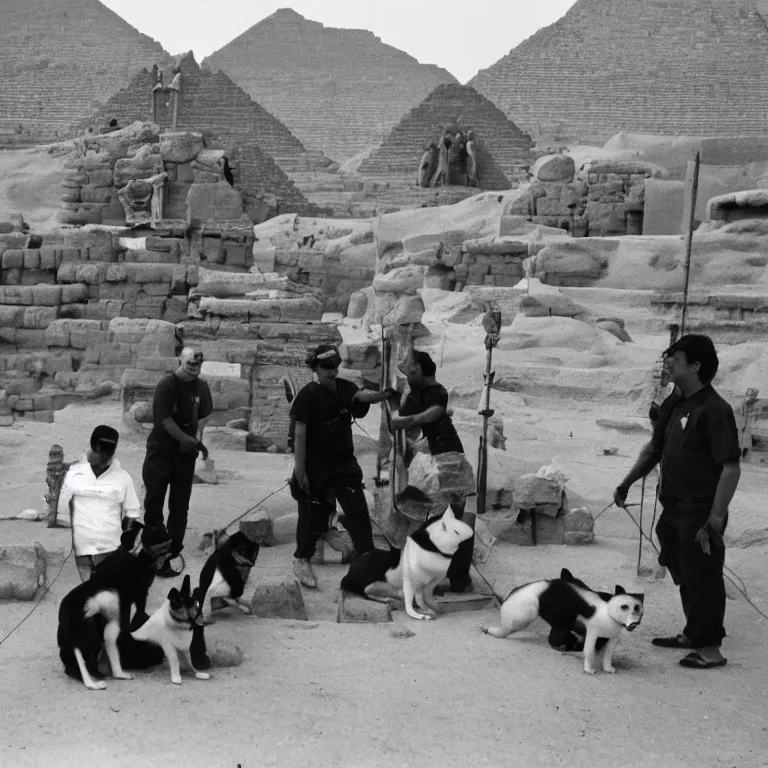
{"points": [[492, 325], [689, 243]]}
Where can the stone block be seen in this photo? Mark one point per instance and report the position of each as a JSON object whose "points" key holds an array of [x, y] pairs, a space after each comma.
{"points": [[353, 609], [22, 572], [180, 147], [409, 309], [554, 168], [38, 317], [257, 526], [12, 317], [141, 166], [549, 530], [537, 494], [606, 218], [225, 438], [219, 201], [13, 259], [16, 295], [278, 600], [263, 258]]}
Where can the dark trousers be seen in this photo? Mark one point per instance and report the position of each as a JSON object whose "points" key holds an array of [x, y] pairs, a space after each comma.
{"points": [[171, 472], [314, 519], [461, 562], [699, 576]]}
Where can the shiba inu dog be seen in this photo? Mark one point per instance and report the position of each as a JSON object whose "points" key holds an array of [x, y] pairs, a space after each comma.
{"points": [[394, 576], [171, 627], [225, 573], [89, 618], [573, 610]]}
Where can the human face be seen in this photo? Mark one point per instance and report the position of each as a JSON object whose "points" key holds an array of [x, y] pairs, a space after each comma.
{"points": [[101, 456], [329, 373], [412, 372], [682, 373], [191, 361]]}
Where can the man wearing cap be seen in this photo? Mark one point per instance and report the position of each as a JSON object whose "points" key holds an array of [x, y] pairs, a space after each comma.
{"points": [[697, 443], [99, 501], [325, 467], [181, 407]]}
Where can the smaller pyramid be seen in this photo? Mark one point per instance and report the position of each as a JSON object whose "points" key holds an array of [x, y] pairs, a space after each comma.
{"points": [[209, 101], [503, 149]]}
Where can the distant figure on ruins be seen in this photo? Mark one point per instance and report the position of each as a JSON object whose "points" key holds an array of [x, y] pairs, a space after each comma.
{"points": [[441, 175], [157, 78], [457, 161], [428, 165]]}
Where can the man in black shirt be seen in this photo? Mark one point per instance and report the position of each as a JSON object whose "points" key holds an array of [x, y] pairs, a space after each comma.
{"points": [[325, 467], [426, 408], [181, 407], [697, 443]]}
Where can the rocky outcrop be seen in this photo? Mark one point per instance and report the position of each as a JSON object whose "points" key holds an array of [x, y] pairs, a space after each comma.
{"points": [[622, 65], [338, 90]]}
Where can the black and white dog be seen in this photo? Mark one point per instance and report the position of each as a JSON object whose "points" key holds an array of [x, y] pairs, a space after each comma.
{"points": [[573, 611]]}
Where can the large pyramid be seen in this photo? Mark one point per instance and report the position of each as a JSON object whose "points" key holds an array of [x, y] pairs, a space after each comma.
{"points": [[338, 90], [59, 58], [504, 148], [209, 101], [695, 67]]}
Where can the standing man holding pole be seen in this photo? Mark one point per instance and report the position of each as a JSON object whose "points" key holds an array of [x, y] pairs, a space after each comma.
{"points": [[697, 443], [181, 407], [426, 408]]}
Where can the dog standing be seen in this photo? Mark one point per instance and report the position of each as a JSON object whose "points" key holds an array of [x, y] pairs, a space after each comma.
{"points": [[226, 572], [573, 609], [171, 627], [391, 577]]}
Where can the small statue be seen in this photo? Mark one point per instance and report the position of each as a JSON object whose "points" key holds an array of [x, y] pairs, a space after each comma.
{"points": [[473, 177], [456, 157], [428, 165], [157, 78], [54, 478], [142, 200], [441, 175], [175, 92]]}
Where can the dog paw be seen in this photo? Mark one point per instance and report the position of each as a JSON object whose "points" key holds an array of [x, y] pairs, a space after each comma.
{"points": [[176, 680], [589, 671], [202, 676], [124, 676], [610, 669], [96, 685]]}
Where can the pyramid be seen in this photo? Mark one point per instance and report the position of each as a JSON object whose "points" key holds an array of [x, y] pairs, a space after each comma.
{"points": [[695, 67], [59, 59], [209, 101], [338, 90], [503, 148]]}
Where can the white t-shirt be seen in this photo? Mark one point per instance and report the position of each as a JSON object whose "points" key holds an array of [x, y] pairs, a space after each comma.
{"points": [[99, 503]]}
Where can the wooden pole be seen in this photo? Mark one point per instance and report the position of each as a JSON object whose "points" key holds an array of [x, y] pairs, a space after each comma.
{"points": [[692, 194]]}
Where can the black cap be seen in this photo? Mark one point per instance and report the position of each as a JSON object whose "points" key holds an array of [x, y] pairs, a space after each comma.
{"points": [[698, 348], [104, 438]]}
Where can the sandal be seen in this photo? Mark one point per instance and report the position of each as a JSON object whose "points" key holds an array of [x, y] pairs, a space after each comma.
{"points": [[696, 661], [678, 641]]}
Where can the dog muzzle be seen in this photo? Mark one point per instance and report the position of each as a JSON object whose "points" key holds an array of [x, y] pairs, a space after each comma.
{"points": [[631, 627]]}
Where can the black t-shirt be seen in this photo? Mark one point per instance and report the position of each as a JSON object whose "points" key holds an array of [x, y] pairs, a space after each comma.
{"points": [[176, 398], [441, 434], [696, 435], [328, 417]]}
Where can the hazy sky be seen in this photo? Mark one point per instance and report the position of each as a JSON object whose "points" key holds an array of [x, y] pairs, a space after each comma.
{"points": [[461, 36]]}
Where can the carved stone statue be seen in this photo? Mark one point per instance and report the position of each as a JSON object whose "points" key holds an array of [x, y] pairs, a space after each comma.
{"points": [[428, 165], [157, 78], [456, 161], [175, 89], [473, 175], [441, 174], [143, 200], [54, 478]]}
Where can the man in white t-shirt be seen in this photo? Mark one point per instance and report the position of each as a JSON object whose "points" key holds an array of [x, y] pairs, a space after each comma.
{"points": [[98, 500]]}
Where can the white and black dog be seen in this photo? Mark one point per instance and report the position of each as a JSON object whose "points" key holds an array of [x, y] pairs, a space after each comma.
{"points": [[393, 577], [573, 611], [225, 573], [171, 628]]}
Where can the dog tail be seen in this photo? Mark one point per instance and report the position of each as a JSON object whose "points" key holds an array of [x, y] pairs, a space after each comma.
{"points": [[106, 603]]}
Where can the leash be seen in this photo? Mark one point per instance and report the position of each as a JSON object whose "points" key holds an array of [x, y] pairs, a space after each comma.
{"points": [[250, 509]]}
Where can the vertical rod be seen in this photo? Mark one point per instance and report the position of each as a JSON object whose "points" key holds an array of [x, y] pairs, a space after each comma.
{"points": [[689, 242], [640, 543], [482, 464]]}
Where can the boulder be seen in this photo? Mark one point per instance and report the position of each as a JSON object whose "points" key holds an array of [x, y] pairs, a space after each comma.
{"points": [[210, 202], [579, 524], [358, 303], [409, 309], [257, 526], [278, 600], [225, 438], [614, 326], [554, 168], [353, 609], [549, 305], [401, 280], [22, 572], [180, 146], [537, 494]]}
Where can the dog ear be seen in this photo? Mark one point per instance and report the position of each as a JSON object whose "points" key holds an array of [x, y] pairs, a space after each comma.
{"points": [[566, 575], [620, 590], [173, 594], [185, 586]]}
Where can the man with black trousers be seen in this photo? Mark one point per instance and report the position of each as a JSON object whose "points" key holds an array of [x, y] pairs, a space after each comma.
{"points": [[697, 443], [325, 467], [181, 407]]}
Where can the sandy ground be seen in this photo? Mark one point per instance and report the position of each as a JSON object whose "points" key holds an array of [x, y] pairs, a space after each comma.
{"points": [[356, 695]]}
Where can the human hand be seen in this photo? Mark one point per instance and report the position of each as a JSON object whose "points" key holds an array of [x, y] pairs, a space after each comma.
{"points": [[620, 496], [188, 445], [399, 422], [702, 539], [302, 479]]}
